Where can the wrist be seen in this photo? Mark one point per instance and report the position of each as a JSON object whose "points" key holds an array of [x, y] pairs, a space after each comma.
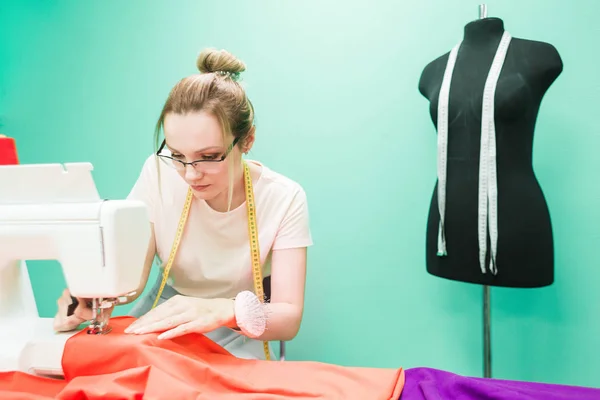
{"points": [[231, 323]]}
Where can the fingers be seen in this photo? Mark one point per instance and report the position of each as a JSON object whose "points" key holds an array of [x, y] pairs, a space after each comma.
{"points": [[174, 305], [168, 309], [83, 312], [177, 331], [63, 303], [198, 326], [180, 315], [64, 322], [158, 323]]}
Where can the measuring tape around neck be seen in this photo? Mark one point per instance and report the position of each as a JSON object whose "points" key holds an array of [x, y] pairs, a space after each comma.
{"points": [[488, 187], [252, 238]]}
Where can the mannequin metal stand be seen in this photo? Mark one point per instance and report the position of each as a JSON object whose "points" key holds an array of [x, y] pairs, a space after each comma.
{"points": [[487, 348]]}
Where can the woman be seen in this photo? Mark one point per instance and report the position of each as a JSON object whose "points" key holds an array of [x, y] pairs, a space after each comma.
{"points": [[208, 123]]}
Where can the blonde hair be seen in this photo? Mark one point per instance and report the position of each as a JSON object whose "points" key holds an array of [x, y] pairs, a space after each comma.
{"points": [[215, 90]]}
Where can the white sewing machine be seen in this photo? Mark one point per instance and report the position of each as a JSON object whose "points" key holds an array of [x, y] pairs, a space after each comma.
{"points": [[54, 212]]}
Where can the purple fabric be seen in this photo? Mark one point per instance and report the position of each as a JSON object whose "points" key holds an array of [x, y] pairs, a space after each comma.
{"points": [[433, 384]]}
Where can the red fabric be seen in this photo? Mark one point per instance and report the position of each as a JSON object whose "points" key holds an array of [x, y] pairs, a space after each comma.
{"points": [[122, 366]]}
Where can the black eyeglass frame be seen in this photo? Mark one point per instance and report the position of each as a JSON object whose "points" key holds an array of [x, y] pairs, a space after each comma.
{"points": [[194, 163]]}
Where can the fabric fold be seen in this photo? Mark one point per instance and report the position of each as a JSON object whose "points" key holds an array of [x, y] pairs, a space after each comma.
{"points": [[122, 366]]}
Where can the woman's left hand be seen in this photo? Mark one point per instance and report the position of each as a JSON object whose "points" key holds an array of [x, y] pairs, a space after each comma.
{"points": [[181, 315]]}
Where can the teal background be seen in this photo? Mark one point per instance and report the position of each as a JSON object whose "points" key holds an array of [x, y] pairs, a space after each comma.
{"points": [[335, 89]]}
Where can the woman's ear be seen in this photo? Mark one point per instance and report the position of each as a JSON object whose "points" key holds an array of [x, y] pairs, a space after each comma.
{"points": [[248, 141]]}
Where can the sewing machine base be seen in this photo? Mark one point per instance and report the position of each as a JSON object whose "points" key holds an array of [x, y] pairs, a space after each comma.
{"points": [[31, 345]]}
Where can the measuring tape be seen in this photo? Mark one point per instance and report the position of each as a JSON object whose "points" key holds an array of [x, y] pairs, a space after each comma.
{"points": [[488, 186], [252, 236]]}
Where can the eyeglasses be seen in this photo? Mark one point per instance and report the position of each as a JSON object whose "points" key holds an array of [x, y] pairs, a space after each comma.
{"points": [[210, 164]]}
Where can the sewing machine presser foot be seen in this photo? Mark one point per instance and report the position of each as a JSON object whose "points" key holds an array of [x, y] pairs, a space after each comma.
{"points": [[99, 323]]}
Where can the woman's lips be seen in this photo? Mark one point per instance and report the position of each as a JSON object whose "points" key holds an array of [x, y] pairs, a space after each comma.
{"points": [[200, 188]]}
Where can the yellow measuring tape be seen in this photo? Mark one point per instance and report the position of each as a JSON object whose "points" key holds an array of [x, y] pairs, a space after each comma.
{"points": [[252, 236]]}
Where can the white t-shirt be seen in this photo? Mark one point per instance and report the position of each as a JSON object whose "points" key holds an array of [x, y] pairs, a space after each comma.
{"points": [[213, 259]]}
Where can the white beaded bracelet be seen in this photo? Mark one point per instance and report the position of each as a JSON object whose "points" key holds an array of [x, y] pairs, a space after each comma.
{"points": [[250, 314]]}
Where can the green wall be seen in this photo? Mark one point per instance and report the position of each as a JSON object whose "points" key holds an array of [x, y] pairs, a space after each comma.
{"points": [[335, 88]]}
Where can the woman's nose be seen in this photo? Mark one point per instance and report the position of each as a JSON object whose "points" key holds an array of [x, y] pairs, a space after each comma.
{"points": [[192, 173]]}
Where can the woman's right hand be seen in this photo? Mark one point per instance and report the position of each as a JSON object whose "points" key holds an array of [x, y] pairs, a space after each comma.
{"points": [[64, 322]]}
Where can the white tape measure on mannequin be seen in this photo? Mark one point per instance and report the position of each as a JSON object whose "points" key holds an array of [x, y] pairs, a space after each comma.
{"points": [[488, 186]]}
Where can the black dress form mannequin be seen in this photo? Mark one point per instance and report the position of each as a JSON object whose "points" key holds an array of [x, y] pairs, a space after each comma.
{"points": [[525, 250]]}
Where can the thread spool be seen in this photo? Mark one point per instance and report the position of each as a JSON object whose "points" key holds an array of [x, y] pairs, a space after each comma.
{"points": [[8, 151]]}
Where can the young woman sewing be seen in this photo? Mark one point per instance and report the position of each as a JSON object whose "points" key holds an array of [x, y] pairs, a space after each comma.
{"points": [[198, 178]]}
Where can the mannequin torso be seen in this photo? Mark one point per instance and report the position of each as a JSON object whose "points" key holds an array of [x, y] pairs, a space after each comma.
{"points": [[525, 256]]}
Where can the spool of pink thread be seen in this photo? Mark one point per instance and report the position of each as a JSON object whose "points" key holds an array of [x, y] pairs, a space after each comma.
{"points": [[8, 151]]}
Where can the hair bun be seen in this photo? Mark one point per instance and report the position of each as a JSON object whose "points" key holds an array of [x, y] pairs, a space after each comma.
{"points": [[213, 60]]}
